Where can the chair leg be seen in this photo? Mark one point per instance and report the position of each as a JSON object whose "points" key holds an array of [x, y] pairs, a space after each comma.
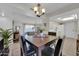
{"points": [[34, 54], [21, 52], [61, 54]]}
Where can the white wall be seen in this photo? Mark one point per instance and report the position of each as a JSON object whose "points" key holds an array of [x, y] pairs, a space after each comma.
{"points": [[5, 23], [70, 29]]}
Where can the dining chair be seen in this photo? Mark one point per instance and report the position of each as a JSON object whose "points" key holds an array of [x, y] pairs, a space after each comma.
{"points": [[1, 46], [58, 47], [51, 43], [48, 51], [27, 51]]}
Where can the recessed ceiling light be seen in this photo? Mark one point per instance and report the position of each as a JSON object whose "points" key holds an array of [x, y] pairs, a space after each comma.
{"points": [[68, 18]]}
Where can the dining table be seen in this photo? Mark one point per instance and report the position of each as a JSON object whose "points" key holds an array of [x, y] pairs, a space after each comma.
{"points": [[39, 42]]}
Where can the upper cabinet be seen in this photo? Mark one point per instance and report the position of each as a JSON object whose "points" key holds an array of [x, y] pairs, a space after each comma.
{"points": [[60, 31], [53, 26], [56, 27]]}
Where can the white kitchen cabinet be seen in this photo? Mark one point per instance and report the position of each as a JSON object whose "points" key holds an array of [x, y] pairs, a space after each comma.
{"points": [[56, 27], [53, 26], [60, 31]]}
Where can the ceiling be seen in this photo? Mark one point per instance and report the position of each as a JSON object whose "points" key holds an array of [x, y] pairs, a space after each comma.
{"points": [[22, 11]]}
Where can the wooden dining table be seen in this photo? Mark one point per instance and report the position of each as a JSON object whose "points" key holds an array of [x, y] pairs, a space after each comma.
{"points": [[39, 42]]}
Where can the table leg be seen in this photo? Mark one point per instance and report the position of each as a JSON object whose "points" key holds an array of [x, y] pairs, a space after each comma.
{"points": [[39, 49]]}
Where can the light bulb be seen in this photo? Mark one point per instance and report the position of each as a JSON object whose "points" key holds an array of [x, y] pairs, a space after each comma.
{"points": [[35, 8], [43, 10], [37, 13]]}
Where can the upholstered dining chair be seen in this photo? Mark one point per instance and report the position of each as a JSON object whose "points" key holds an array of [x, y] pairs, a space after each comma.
{"points": [[1, 46], [48, 51], [27, 51]]}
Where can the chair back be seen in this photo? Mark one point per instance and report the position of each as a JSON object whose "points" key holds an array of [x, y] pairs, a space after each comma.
{"points": [[1, 44], [24, 47], [58, 47], [47, 51]]}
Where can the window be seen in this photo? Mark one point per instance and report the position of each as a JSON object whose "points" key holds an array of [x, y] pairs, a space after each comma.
{"points": [[29, 28]]}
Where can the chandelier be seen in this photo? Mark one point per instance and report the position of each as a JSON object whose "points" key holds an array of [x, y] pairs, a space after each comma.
{"points": [[38, 10]]}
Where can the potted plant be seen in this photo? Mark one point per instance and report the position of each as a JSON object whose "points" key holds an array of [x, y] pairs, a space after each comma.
{"points": [[6, 34]]}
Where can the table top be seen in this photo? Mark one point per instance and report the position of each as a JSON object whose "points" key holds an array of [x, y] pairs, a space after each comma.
{"points": [[40, 41]]}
